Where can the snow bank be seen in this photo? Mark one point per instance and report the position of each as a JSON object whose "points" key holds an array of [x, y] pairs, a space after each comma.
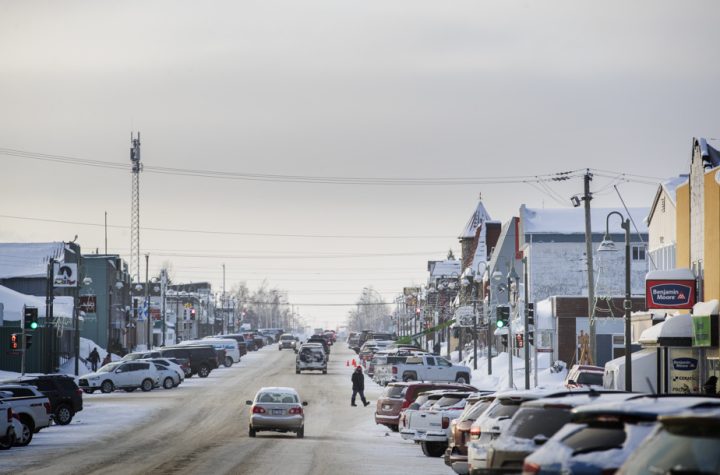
{"points": [[499, 378]]}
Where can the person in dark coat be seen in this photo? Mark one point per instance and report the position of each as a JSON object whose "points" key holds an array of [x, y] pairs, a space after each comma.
{"points": [[94, 359], [358, 382], [106, 360]]}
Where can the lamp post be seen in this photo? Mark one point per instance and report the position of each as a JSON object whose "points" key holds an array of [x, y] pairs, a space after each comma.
{"points": [[607, 245], [512, 280]]}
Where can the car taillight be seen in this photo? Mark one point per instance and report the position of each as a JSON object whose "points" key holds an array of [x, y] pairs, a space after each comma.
{"points": [[79, 392], [48, 408], [475, 432], [296, 410], [530, 468], [445, 422], [258, 410], [405, 404]]}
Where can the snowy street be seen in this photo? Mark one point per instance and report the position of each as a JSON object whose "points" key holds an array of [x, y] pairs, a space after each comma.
{"points": [[201, 427]]}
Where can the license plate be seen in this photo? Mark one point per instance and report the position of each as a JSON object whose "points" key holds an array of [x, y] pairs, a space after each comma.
{"points": [[387, 407], [277, 412]]}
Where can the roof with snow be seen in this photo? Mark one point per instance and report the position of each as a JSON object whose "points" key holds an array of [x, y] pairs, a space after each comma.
{"points": [[669, 187], [572, 220], [445, 268], [13, 303], [709, 154], [28, 259], [479, 216]]}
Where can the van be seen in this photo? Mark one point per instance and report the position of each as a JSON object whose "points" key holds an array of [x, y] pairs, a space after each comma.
{"points": [[230, 345]]}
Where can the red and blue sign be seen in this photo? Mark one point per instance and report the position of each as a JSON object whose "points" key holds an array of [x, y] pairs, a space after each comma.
{"points": [[670, 294]]}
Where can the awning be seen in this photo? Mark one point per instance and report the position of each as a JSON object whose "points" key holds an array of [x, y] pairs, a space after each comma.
{"points": [[676, 330]]}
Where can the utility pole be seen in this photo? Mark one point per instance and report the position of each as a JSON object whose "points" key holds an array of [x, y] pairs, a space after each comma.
{"points": [[222, 303], [147, 302], [526, 341], [587, 196], [49, 297], [163, 303]]}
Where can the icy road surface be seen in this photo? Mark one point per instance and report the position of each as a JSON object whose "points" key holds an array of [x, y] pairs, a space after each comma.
{"points": [[201, 427]]}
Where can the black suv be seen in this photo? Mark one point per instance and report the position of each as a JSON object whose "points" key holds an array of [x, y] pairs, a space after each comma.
{"points": [[203, 358], [320, 339], [64, 395]]}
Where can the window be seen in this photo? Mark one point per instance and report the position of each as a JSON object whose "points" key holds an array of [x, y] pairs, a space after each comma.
{"points": [[430, 361], [638, 253], [443, 362]]}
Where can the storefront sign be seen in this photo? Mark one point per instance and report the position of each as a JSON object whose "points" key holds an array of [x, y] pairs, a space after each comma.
{"points": [[683, 371], [65, 275], [88, 303], [670, 293], [702, 330]]}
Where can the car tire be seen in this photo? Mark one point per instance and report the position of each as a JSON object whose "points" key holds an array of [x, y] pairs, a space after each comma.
{"points": [[462, 378], [228, 362], [251, 432], [394, 428], [88, 391], [63, 415], [433, 449], [204, 371], [168, 383], [107, 386], [26, 435], [279, 348], [297, 371], [301, 433], [324, 371], [146, 385], [9, 439]]}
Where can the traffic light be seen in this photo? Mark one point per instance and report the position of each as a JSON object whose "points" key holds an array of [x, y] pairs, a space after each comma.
{"points": [[192, 314], [503, 316], [504, 340], [15, 341], [531, 337], [519, 340], [31, 318], [28, 340], [531, 313]]}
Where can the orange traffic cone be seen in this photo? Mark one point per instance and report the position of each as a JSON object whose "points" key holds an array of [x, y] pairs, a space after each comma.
{"points": [[347, 362], [353, 362]]}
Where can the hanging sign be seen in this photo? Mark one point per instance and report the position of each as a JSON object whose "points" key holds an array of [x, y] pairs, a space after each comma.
{"points": [[65, 275], [670, 293]]}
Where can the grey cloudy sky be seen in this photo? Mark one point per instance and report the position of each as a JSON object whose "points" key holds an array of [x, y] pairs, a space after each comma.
{"points": [[338, 88]]}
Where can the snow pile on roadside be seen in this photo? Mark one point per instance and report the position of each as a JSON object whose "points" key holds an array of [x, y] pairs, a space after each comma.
{"points": [[499, 379]]}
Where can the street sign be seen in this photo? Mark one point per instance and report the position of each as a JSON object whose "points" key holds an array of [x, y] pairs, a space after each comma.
{"points": [[65, 275]]}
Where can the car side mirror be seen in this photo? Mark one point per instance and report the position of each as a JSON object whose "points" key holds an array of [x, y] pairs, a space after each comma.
{"points": [[304, 403], [540, 439], [249, 403]]}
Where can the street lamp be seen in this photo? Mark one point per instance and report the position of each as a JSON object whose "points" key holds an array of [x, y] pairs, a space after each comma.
{"points": [[607, 245], [512, 280]]}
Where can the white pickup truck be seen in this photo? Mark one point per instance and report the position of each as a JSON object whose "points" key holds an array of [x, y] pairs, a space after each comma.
{"points": [[31, 407], [431, 428], [429, 368]]}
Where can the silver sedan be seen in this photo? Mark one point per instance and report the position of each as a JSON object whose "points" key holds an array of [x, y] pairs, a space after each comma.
{"points": [[277, 409]]}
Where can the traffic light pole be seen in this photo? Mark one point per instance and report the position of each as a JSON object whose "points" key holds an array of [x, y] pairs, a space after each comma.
{"points": [[526, 340], [22, 345]]}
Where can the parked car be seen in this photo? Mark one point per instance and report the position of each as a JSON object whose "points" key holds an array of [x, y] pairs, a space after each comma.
{"points": [[311, 357], [287, 341], [141, 355], [167, 377], [683, 443], [203, 358], [398, 396], [584, 375], [534, 423], [602, 436], [242, 344], [64, 395], [456, 453], [7, 428], [430, 368], [277, 409], [173, 365], [126, 375], [322, 341], [422, 404], [30, 407], [230, 345]]}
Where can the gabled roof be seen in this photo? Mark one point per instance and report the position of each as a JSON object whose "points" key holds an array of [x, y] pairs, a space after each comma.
{"points": [[479, 216], [669, 187], [28, 259], [445, 268]]}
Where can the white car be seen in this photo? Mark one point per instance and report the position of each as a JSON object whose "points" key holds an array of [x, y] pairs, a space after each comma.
{"points": [[169, 378], [127, 375], [7, 428], [232, 351], [170, 365]]}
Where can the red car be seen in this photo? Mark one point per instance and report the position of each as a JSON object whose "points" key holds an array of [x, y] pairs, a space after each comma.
{"points": [[398, 396]]}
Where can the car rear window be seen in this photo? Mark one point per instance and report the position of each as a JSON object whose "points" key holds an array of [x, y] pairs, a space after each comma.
{"points": [[277, 398], [449, 401], [476, 409], [394, 391], [592, 439], [532, 421], [503, 410], [595, 379]]}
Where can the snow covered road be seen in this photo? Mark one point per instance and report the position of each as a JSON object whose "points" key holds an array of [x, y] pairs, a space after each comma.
{"points": [[201, 427]]}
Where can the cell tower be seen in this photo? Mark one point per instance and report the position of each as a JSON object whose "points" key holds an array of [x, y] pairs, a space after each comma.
{"points": [[135, 208]]}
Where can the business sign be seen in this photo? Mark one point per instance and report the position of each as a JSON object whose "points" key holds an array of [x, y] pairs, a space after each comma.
{"points": [[670, 293], [88, 303], [705, 330], [65, 275], [684, 375]]}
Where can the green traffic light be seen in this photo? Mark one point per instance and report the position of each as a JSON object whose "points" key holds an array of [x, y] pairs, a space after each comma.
{"points": [[500, 323], [33, 325]]}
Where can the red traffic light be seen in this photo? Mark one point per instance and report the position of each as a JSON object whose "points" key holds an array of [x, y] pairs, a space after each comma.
{"points": [[14, 341]]}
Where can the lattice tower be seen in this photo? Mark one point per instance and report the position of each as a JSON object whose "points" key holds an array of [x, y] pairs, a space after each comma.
{"points": [[135, 208]]}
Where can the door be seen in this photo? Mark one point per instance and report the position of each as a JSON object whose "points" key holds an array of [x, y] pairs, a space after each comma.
{"points": [[428, 371], [443, 369]]}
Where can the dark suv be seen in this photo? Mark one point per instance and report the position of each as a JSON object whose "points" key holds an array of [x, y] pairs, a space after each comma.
{"points": [[203, 358], [64, 395]]}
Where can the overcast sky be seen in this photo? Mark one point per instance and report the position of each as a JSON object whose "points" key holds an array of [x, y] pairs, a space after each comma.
{"points": [[343, 89]]}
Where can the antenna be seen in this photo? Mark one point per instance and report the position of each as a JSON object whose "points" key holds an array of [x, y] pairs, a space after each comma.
{"points": [[135, 208]]}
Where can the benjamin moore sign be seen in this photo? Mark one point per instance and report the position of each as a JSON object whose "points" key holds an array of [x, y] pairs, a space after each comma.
{"points": [[670, 293]]}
